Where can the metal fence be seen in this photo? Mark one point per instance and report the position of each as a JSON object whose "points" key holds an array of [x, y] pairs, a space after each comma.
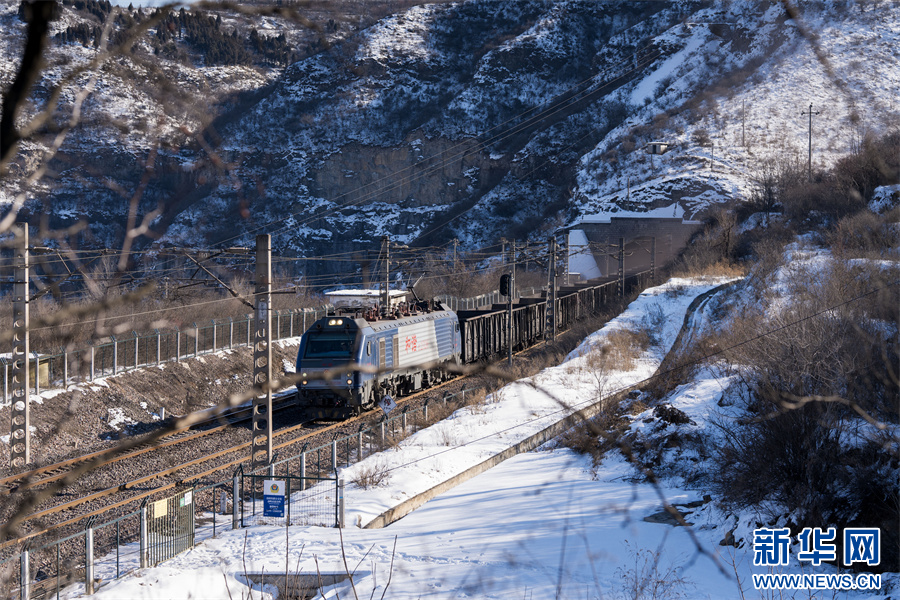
{"points": [[124, 353], [166, 527], [475, 302], [56, 369], [316, 501], [170, 527]]}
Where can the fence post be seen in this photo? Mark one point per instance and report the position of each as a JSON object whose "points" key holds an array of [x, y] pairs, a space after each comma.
{"points": [[359, 440], [65, 367], [25, 576], [248, 330], [334, 465], [293, 312], [144, 541], [271, 469], [303, 471], [382, 431], [115, 353], [92, 362], [89, 560], [136, 356], [426, 411], [158, 344], [214, 335], [405, 408], [230, 332], [177, 345], [341, 502], [235, 501], [277, 325], [196, 340], [5, 380]]}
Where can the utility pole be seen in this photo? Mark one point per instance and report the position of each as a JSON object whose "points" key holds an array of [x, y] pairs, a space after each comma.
{"points": [[512, 264], [20, 432], [386, 251], [606, 253], [551, 291], [621, 272], [509, 324], [509, 307], [261, 442], [743, 124], [810, 113]]}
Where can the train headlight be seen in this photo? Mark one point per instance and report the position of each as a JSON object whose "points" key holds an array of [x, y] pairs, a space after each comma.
{"points": [[349, 382], [334, 322]]}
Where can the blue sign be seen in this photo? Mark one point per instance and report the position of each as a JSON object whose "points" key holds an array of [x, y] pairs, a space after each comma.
{"points": [[273, 498]]}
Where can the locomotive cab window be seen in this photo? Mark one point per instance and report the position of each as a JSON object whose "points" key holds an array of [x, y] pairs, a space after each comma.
{"points": [[329, 345]]}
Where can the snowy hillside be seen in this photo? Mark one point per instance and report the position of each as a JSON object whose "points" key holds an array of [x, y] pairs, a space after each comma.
{"points": [[474, 120]]}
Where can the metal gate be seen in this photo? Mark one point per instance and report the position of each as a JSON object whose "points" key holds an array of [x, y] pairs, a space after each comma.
{"points": [[170, 526], [316, 501]]}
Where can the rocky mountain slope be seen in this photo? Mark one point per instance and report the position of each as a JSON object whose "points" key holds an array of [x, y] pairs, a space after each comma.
{"points": [[473, 120]]}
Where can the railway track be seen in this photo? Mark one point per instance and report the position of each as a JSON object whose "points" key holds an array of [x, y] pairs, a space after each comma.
{"points": [[171, 477], [50, 473], [133, 490]]}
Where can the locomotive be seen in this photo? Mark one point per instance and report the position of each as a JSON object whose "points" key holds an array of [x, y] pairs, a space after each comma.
{"points": [[398, 347], [422, 333]]}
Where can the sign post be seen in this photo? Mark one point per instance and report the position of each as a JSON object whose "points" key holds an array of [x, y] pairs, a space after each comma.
{"points": [[273, 498], [387, 404]]}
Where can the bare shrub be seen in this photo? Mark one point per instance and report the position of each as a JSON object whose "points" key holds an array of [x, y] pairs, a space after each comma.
{"points": [[862, 235], [835, 339], [447, 436], [371, 474], [714, 244], [646, 579], [701, 137]]}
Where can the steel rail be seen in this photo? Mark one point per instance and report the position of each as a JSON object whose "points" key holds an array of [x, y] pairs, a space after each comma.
{"points": [[172, 470]]}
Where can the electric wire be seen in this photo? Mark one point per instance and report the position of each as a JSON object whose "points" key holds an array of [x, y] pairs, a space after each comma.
{"points": [[569, 408], [551, 110]]}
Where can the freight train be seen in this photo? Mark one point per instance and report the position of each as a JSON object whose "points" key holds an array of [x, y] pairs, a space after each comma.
{"points": [[396, 350]]}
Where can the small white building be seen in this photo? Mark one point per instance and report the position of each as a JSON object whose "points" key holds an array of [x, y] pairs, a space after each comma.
{"points": [[657, 147], [364, 298]]}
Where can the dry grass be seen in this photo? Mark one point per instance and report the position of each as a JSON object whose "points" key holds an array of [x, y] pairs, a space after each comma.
{"points": [[598, 435], [619, 350]]}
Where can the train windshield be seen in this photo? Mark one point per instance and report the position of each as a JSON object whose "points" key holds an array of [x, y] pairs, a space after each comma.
{"points": [[329, 345]]}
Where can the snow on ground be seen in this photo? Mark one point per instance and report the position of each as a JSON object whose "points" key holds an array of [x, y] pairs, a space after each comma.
{"points": [[503, 534]]}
